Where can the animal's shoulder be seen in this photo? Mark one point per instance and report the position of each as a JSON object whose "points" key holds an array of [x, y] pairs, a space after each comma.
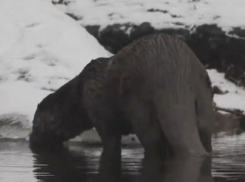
{"points": [[96, 66], [93, 75]]}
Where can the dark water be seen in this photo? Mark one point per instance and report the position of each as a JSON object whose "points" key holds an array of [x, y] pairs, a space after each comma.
{"points": [[81, 163]]}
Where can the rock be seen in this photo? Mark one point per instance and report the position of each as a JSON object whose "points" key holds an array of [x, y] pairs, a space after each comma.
{"points": [[65, 2], [227, 123], [242, 123], [217, 90], [115, 37], [235, 74]]}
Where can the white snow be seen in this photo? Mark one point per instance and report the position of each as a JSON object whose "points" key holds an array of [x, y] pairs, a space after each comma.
{"points": [[41, 48], [19, 97], [235, 98], [224, 13]]}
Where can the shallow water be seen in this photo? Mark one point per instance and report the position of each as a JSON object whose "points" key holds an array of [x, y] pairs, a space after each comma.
{"points": [[80, 162]]}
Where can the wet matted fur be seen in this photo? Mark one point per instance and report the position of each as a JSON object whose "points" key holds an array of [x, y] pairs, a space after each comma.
{"points": [[155, 87]]}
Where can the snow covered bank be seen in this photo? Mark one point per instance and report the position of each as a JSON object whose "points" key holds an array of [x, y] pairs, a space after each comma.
{"points": [[235, 98], [159, 13], [41, 48]]}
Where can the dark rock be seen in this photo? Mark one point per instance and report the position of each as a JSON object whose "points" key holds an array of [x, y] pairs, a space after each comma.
{"points": [[236, 75], [238, 32], [141, 30], [74, 16], [242, 123], [217, 90], [215, 49], [114, 37], [228, 123], [65, 2], [93, 29], [157, 10]]}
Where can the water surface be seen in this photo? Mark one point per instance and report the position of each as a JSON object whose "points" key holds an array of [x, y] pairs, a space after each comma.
{"points": [[80, 162]]}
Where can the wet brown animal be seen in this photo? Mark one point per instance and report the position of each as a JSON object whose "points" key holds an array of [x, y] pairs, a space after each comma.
{"points": [[155, 87]]}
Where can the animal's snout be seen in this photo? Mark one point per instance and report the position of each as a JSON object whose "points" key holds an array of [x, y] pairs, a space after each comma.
{"points": [[44, 142]]}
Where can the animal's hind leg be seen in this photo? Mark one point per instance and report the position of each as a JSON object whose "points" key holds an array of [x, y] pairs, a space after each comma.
{"points": [[142, 115], [205, 120], [176, 112]]}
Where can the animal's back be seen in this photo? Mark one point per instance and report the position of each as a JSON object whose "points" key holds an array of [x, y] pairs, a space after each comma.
{"points": [[157, 61], [93, 76]]}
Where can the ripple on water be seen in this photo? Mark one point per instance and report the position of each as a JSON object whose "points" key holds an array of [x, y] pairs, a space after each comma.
{"points": [[229, 157], [18, 163]]}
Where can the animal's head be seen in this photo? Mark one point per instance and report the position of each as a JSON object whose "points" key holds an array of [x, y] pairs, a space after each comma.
{"points": [[60, 116]]}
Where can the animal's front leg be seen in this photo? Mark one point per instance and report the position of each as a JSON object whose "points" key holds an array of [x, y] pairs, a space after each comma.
{"points": [[102, 117], [110, 161]]}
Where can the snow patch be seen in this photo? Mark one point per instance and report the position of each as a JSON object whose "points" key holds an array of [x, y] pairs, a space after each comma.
{"points": [[235, 98], [41, 48]]}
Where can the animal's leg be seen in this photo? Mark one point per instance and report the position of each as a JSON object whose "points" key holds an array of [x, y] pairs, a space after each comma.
{"points": [[110, 161], [205, 120], [142, 115], [177, 115], [188, 170]]}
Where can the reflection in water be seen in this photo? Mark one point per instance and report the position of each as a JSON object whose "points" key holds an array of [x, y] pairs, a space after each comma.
{"points": [[179, 170], [75, 166], [62, 167], [81, 163]]}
